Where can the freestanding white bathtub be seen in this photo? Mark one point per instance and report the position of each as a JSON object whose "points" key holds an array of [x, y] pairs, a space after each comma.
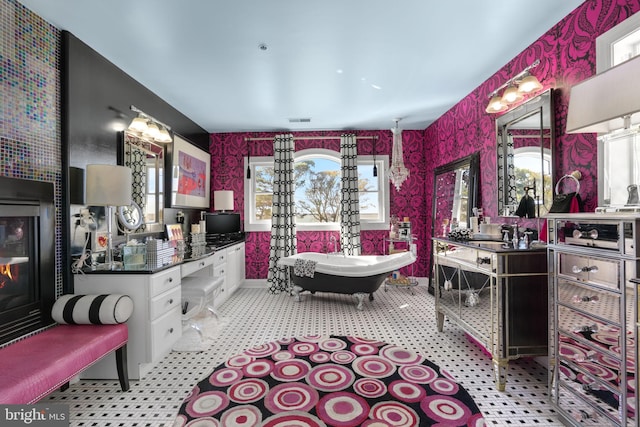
{"points": [[355, 275]]}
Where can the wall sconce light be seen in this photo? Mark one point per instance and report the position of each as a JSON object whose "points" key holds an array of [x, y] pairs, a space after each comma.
{"points": [[223, 200], [517, 87], [149, 127]]}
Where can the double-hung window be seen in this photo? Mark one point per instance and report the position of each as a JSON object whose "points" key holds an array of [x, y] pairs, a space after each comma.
{"points": [[317, 179]]}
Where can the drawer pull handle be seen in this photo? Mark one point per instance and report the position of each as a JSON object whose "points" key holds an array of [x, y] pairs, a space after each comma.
{"points": [[171, 330], [592, 234], [170, 279], [588, 357], [585, 269], [585, 298], [202, 264], [586, 328], [484, 260], [171, 301], [582, 415]]}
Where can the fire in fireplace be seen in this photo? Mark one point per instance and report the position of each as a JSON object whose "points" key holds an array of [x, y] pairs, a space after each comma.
{"points": [[27, 251]]}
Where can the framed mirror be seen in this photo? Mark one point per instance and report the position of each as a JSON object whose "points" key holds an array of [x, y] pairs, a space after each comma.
{"points": [[147, 162], [455, 193], [525, 141]]}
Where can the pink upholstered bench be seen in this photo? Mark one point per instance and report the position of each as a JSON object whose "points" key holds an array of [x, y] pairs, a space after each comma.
{"points": [[33, 367]]}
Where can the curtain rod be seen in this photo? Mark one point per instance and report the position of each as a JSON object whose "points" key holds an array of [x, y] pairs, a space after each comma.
{"points": [[309, 138]]}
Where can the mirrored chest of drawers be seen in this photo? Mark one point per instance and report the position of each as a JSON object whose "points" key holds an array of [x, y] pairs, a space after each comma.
{"points": [[593, 263], [496, 294]]}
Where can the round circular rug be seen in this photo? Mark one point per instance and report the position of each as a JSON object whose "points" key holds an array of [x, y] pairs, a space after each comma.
{"points": [[328, 381]]}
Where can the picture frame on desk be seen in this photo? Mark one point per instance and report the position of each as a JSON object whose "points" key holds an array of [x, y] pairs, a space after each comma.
{"points": [[190, 175]]}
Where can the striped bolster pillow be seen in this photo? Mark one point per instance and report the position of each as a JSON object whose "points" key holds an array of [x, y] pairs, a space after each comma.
{"points": [[92, 309]]}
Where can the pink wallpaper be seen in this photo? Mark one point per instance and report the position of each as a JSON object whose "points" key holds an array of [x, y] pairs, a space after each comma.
{"points": [[567, 56], [227, 173]]}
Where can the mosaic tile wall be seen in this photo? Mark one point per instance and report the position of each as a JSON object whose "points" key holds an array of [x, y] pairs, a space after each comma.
{"points": [[30, 109]]}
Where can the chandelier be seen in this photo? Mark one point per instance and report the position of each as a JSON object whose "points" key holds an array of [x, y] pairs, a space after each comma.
{"points": [[398, 173]]}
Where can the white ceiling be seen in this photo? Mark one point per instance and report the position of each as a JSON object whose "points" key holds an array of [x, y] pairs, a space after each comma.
{"points": [[345, 64]]}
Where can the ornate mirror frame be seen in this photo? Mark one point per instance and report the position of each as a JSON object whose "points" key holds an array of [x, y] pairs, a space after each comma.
{"points": [[147, 162], [451, 198], [525, 149]]}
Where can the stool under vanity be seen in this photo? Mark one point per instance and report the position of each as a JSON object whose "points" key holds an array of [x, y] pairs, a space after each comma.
{"points": [[593, 270], [497, 295]]}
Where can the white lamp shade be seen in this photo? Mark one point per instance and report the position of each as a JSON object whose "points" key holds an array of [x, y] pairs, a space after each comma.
{"points": [[108, 185], [600, 103], [223, 200]]}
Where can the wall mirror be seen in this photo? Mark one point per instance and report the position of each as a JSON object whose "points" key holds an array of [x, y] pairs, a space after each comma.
{"points": [[147, 162], [525, 141], [454, 193]]}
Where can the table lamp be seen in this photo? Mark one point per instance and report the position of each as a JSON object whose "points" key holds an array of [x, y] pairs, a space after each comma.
{"points": [[223, 200], [108, 186]]}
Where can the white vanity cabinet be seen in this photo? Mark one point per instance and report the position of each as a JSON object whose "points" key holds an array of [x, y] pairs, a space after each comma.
{"points": [[230, 264], [593, 261], [156, 322], [235, 267]]}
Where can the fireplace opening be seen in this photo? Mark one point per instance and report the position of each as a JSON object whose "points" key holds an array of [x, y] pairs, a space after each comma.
{"points": [[27, 251]]}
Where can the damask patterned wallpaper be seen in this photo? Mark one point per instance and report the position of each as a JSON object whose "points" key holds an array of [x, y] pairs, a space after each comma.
{"points": [[567, 56], [227, 173]]}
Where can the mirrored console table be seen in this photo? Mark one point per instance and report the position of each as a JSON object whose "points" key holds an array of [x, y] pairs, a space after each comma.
{"points": [[497, 295]]}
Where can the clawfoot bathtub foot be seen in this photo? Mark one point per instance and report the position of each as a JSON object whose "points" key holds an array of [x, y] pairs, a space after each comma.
{"points": [[296, 292], [361, 297]]}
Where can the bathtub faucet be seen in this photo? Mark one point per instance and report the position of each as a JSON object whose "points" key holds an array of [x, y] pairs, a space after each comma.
{"points": [[333, 239]]}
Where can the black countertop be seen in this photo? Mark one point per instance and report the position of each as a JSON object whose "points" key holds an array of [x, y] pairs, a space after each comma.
{"points": [[211, 249], [492, 245]]}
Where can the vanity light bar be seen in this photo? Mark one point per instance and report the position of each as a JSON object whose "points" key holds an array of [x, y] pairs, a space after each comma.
{"points": [[142, 113], [523, 82]]}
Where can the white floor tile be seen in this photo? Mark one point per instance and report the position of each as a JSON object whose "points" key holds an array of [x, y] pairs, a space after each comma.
{"points": [[253, 316]]}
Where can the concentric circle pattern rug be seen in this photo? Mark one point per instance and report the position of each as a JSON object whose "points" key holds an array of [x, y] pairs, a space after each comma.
{"points": [[328, 381]]}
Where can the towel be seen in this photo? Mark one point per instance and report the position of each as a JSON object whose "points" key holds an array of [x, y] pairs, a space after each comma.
{"points": [[304, 268]]}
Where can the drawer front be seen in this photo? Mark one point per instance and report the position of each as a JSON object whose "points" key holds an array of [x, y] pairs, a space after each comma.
{"points": [[191, 267], [220, 257], [164, 302], [581, 408], [165, 280], [220, 271], [596, 333], [165, 331], [599, 271], [483, 260], [589, 299], [590, 367]]}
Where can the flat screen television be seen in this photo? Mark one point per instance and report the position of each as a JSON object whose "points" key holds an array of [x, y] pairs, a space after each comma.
{"points": [[223, 223]]}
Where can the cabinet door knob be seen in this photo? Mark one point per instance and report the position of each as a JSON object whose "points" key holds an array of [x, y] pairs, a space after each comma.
{"points": [[171, 330], [171, 301], [170, 279], [202, 263]]}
